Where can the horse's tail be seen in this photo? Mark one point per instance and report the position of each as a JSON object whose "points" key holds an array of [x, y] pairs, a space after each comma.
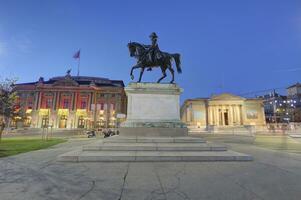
{"points": [[177, 58]]}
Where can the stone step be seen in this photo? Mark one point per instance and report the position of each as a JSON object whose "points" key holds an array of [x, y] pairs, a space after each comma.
{"points": [[152, 156], [120, 139], [99, 146]]}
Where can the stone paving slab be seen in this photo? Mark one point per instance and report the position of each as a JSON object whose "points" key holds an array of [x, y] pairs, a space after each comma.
{"points": [[37, 175], [100, 146], [153, 156], [121, 139]]}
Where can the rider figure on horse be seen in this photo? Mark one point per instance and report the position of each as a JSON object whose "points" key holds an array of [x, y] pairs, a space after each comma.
{"points": [[153, 51]]}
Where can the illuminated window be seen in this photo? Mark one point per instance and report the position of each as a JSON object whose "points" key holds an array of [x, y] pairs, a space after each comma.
{"points": [[66, 103], [48, 103]]}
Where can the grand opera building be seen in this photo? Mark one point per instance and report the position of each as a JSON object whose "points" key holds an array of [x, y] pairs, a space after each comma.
{"points": [[71, 102]]}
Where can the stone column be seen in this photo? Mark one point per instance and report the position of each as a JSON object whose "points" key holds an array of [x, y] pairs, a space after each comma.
{"points": [[234, 114], [36, 103], [58, 99], [213, 114], [223, 115], [209, 116], [241, 115], [40, 100], [231, 115], [191, 112], [216, 115], [238, 115]]}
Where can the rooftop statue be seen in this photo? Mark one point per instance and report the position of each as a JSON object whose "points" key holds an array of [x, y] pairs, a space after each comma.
{"points": [[150, 56]]}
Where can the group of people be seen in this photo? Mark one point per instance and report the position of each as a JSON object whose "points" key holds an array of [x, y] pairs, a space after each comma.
{"points": [[105, 132]]}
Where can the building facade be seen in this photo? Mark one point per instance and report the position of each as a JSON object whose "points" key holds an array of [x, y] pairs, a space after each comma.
{"points": [[276, 108], [294, 102], [225, 110], [71, 102], [283, 109]]}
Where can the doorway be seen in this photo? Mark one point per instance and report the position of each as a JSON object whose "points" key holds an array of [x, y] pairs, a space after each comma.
{"points": [[63, 121], [45, 121], [226, 118], [81, 122]]}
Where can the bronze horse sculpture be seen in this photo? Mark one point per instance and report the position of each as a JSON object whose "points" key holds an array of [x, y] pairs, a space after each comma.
{"points": [[139, 51]]}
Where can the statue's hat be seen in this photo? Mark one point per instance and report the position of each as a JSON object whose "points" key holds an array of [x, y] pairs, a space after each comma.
{"points": [[153, 35]]}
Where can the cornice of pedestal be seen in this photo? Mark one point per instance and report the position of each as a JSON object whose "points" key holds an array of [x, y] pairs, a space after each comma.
{"points": [[153, 88]]}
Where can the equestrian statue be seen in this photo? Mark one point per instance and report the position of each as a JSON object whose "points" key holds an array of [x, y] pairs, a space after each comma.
{"points": [[150, 56]]}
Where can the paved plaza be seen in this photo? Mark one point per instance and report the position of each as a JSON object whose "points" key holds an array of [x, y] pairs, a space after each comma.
{"points": [[38, 175]]}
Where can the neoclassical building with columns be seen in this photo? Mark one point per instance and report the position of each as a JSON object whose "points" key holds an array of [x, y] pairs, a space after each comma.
{"points": [[222, 111], [71, 102]]}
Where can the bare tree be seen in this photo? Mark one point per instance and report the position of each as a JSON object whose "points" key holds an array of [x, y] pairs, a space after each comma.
{"points": [[7, 103]]}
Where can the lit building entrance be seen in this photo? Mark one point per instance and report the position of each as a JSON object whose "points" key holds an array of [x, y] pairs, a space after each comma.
{"points": [[81, 122], [45, 121], [63, 121]]}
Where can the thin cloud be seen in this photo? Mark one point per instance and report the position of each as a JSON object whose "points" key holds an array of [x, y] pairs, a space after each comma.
{"points": [[288, 70]]}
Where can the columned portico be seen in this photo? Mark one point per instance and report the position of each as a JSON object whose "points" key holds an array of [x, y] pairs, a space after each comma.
{"points": [[227, 115], [225, 110]]}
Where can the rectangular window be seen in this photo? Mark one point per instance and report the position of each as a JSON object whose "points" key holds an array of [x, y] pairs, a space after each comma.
{"points": [[48, 103], [66, 103], [112, 106], [102, 106], [83, 105]]}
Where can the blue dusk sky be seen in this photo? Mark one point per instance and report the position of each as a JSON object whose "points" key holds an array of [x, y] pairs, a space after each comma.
{"points": [[226, 46]]}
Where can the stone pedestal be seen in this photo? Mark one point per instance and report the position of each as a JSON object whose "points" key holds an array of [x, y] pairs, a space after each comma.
{"points": [[153, 110]]}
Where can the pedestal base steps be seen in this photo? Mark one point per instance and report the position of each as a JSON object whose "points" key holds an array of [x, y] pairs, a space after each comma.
{"points": [[152, 132], [152, 149]]}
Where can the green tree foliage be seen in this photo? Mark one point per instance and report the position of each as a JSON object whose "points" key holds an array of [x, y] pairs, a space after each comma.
{"points": [[7, 102]]}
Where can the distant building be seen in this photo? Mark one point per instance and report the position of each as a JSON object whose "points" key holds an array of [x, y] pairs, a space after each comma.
{"points": [[71, 102], [294, 102], [294, 90], [276, 108], [225, 110]]}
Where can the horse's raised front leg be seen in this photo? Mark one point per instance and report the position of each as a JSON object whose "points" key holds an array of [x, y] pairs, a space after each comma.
{"points": [[164, 74], [134, 67], [141, 73]]}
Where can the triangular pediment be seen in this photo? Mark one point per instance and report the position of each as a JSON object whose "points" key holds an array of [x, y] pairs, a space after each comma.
{"points": [[226, 96]]}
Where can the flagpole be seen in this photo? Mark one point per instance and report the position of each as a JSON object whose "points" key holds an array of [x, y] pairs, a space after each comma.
{"points": [[78, 66]]}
